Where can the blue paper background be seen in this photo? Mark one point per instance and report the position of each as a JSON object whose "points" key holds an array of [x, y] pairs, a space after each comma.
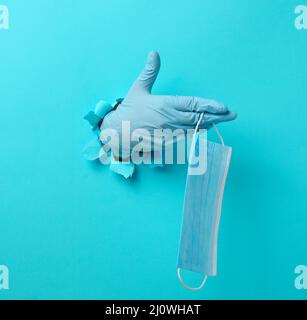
{"points": [[72, 229]]}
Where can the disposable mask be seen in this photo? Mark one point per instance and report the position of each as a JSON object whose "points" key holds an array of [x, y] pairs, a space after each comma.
{"points": [[202, 212]]}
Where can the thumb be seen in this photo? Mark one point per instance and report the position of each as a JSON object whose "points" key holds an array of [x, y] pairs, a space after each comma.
{"points": [[147, 77]]}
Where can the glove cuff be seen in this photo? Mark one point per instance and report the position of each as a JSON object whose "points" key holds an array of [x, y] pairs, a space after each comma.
{"points": [[102, 108]]}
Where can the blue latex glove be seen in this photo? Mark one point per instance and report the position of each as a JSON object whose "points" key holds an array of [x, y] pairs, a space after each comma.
{"points": [[150, 112]]}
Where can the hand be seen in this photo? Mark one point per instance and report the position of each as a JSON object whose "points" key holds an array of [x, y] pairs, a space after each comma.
{"points": [[147, 111]]}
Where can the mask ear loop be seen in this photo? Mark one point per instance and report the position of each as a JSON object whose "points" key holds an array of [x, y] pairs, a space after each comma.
{"points": [[214, 127], [223, 143], [193, 144], [190, 288], [218, 133]]}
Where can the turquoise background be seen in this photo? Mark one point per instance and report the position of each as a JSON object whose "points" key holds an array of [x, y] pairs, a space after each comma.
{"points": [[72, 229]]}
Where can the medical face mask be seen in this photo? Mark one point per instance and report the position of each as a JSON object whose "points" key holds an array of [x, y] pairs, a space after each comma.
{"points": [[202, 212]]}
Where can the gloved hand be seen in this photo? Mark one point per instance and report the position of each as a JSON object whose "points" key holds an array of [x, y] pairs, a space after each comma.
{"points": [[147, 111]]}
